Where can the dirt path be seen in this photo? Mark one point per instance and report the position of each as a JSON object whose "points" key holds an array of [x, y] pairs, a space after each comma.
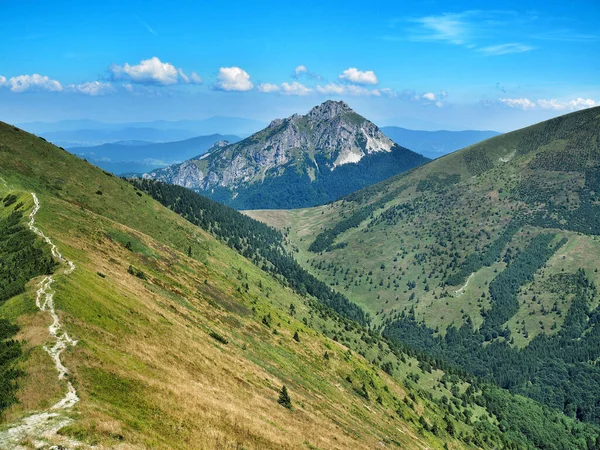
{"points": [[461, 291], [40, 430]]}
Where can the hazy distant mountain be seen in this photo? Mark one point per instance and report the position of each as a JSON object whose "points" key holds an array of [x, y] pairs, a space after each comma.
{"points": [[434, 144], [90, 137], [140, 157], [295, 162], [75, 133]]}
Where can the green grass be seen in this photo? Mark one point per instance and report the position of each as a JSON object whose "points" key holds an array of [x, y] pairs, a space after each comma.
{"points": [[397, 261], [145, 350], [148, 372]]}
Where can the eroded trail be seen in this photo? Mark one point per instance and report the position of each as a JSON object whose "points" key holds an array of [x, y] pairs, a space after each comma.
{"points": [[41, 429], [461, 291]]}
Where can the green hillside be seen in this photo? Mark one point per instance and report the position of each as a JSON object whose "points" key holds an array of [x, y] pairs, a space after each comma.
{"points": [[182, 342], [175, 340], [486, 258]]}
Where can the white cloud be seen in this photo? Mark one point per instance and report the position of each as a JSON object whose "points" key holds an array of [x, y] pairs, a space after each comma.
{"points": [[557, 105], [429, 96], [350, 89], [35, 82], [504, 49], [470, 29], [295, 88], [300, 70], [268, 87], [578, 103], [2, 80], [152, 71], [354, 75], [452, 28], [233, 79], [331, 88], [520, 103], [148, 71], [194, 78], [93, 88], [387, 92], [551, 104]]}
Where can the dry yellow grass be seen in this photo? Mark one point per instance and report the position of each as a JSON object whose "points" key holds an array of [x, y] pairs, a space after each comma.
{"points": [[150, 376]]}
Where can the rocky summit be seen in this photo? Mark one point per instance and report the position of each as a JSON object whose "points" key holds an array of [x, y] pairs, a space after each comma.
{"points": [[300, 161]]}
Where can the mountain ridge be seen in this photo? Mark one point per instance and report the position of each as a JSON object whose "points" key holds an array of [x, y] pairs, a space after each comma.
{"points": [[120, 158], [185, 333], [495, 261], [434, 144], [325, 154]]}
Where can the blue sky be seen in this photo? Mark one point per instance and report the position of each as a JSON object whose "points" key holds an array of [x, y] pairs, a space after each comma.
{"points": [[427, 64]]}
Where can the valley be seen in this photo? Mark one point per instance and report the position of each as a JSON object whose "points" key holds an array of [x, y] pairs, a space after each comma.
{"points": [[145, 313], [156, 298], [299, 226], [515, 216]]}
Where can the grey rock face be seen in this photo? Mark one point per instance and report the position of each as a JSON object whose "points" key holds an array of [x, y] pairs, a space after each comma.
{"points": [[331, 134]]}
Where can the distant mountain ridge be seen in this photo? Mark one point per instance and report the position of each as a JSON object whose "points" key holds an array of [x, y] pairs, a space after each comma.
{"points": [[303, 160], [85, 132], [139, 157], [434, 144]]}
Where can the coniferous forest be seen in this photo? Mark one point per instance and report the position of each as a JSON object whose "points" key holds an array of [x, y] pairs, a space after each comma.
{"points": [[22, 257], [461, 354], [255, 240]]}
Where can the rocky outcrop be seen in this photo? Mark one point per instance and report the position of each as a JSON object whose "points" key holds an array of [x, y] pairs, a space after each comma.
{"points": [[330, 136]]}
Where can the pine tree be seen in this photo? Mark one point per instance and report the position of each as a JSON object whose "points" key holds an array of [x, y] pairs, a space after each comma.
{"points": [[296, 337], [364, 391], [190, 251], [450, 429], [284, 398]]}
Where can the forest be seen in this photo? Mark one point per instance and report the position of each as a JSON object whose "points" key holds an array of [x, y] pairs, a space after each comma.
{"points": [[256, 241], [22, 257], [522, 423], [293, 188], [553, 369]]}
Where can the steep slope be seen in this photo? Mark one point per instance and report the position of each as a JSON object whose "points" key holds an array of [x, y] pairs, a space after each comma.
{"points": [[295, 162], [120, 158], [486, 257], [182, 342], [434, 144]]}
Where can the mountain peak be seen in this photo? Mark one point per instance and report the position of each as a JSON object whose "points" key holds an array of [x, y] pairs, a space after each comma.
{"points": [[329, 110], [302, 160]]}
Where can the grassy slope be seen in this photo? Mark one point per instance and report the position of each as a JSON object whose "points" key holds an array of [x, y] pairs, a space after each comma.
{"points": [[493, 176], [146, 368]]}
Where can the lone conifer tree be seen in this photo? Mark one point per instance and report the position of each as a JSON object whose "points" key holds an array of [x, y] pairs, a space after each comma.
{"points": [[296, 337], [284, 398]]}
